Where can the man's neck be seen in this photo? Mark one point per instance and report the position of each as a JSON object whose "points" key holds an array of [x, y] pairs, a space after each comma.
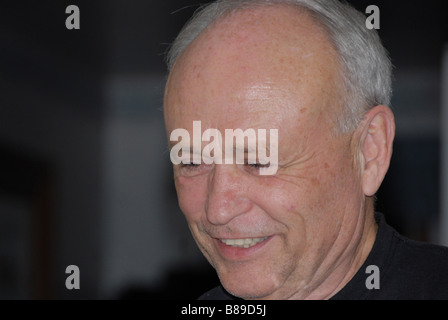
{"points": [[353, 260]]}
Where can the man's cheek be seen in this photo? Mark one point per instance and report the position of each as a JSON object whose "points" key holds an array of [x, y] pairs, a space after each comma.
{"points": [[190, 202], [187, 205]]}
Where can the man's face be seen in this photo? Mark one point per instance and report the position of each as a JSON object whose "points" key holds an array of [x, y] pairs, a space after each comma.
{"points": [[268, 69]]}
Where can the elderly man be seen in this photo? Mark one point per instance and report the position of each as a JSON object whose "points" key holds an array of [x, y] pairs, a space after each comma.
{"points": [[313, 71]]}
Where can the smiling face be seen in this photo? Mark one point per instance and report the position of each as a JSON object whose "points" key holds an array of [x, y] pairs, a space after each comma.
{"points": [[301, 233]]}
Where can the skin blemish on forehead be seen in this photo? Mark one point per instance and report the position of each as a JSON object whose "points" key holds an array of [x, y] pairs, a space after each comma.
{"points": [[307, 55], [261, 91]]}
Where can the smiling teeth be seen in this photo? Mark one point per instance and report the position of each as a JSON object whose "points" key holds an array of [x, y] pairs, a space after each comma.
{"points": [[242, 243]]}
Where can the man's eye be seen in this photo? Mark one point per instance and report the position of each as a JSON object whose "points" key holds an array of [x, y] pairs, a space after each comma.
{"points": [[189, 165], [255, 167], [193, 169]]}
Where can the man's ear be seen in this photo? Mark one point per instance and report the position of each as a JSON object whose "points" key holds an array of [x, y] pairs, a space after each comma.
{"points": [[377, 136]]}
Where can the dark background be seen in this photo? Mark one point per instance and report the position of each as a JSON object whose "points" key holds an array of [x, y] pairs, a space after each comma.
{"points": [[85, 176]]}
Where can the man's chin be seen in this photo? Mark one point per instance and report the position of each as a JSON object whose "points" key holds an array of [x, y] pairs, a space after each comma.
{"points": [[246, 286]]}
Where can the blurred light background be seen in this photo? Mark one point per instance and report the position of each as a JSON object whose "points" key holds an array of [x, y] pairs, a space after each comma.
{"points": [[85, 176]]}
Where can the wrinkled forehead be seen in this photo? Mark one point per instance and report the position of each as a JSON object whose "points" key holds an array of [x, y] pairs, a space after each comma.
{"points": [[266, 59]]}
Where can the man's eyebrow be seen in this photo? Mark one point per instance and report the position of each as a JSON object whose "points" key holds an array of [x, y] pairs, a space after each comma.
{"points": [[190, 146], [246, 149], [237, 148]]}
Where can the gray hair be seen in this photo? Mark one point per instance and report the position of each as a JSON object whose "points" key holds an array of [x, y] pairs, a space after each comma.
{"points": [[366, 67]]}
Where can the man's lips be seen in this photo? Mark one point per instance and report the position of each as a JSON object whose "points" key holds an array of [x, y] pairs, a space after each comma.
{"points": [[241, 248], [242, 243]]}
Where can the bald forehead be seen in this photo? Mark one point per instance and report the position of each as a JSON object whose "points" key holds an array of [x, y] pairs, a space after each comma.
{"points": [[262, 29], [254, 47], [265, 22]]}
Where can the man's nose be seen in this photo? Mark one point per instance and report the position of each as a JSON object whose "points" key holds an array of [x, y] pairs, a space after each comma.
{"points": [[227, 197]]}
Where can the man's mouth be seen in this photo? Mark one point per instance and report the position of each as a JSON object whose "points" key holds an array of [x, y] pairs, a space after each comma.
{"points": [[242, 243]]}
